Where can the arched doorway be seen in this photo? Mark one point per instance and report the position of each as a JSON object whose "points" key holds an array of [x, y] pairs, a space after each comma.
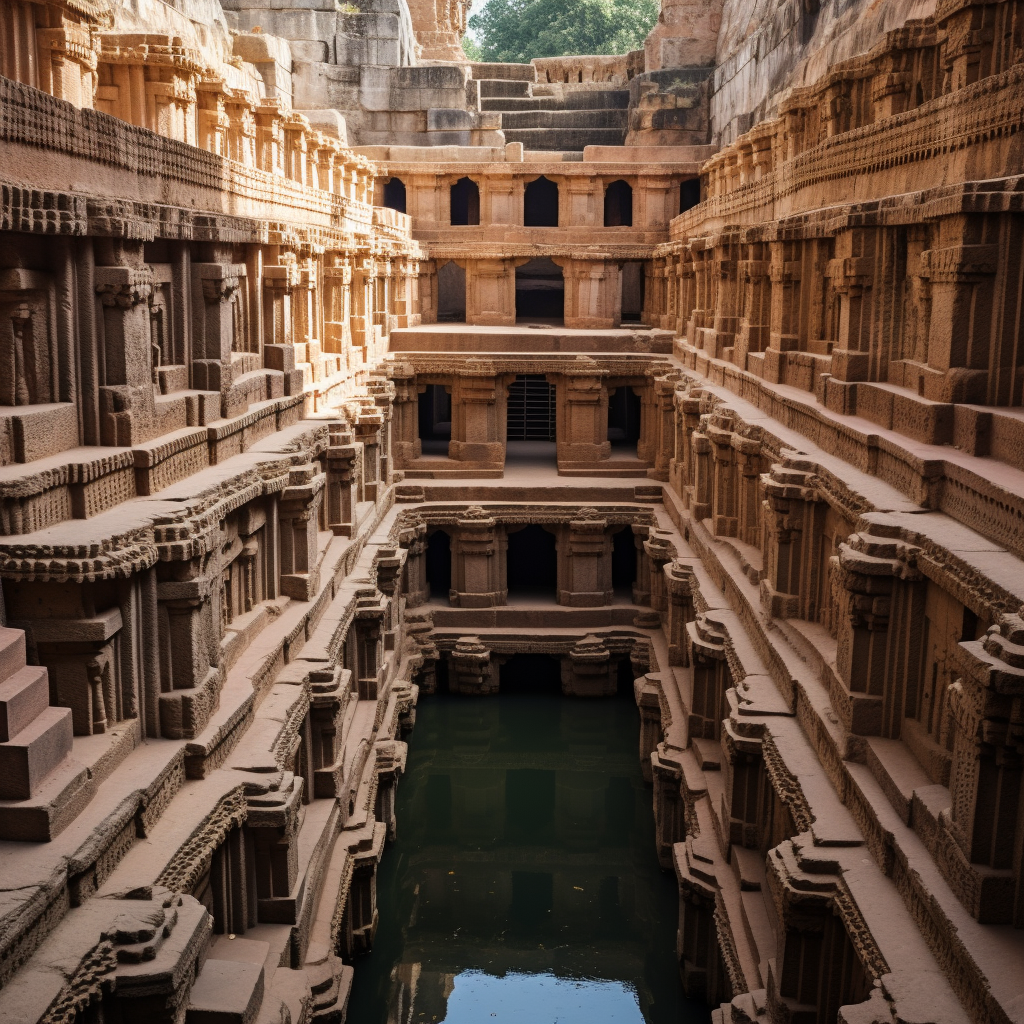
{"points": [[531, 570], [618, 205], [540, 204], [394, 194], [540, 292], [464, 202], [439, 565], [451, 293]]}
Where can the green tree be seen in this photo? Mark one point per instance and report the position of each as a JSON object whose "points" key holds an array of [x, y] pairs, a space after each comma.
{"points": [[470, 48], [516, 31]]}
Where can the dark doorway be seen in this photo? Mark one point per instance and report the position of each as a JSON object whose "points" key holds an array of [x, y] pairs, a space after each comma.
{"points": [[540, 292], [531, 673], [632, 292], [530, 409], [394, 194], [623, 418], [623, 564], [540, 204], [532, 563], [464, 200], [439, 564], [624, 677], [451, 293], [689, 194], [435, 418], [618, 205]]}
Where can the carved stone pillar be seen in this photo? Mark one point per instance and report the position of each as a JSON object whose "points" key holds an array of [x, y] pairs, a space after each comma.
{"points": [[592, 293], [852, 273], [962, 279], [368, 624], [391, 758], [478, 562], [490, 292], [363, 270], [790, 569], [190, 636], [341, 458], [298, 510], [413, 537], [703, 479], [669, 806], [680, 585], [784, 335], [647, 689], [337, 276], [368, 428], [477, 420], [588, 670], [471, 670], [406, 443], [711, 677], [755, 324], [272, 823], [582, 426], [980, 853], [427, 286], [658, 550], [585, 574], [880, 640], [127, 401]]}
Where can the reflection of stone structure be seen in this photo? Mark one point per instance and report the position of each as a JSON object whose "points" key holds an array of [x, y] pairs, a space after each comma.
{"points": [[696, 369]]}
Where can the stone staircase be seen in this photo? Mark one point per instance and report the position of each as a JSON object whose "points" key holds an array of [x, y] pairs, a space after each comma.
{"points": [[35, 739], [556, 117]]}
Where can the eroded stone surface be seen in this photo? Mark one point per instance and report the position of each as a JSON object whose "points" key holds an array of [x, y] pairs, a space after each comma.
{"points": [[696, 367]]}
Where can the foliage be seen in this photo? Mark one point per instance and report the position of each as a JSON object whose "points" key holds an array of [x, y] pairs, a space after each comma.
{"points": [[515, 31], [471, 49]]}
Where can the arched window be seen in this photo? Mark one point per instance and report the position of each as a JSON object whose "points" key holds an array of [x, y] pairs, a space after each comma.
{"points": [[618, 205], [394, 194], [464, 198], [689, 194], [540, 204]]}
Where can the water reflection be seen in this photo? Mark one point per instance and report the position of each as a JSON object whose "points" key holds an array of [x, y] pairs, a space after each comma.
{"points": [[524, 885]]}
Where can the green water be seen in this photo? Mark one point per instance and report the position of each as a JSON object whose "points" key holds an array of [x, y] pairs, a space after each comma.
{"points": [[523, 887]]}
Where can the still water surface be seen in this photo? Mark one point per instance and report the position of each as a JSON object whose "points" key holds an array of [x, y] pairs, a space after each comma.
{"points": [[523, 888]]}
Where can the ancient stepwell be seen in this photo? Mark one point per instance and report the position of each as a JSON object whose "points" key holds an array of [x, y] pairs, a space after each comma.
{"points": [[339, 375]]}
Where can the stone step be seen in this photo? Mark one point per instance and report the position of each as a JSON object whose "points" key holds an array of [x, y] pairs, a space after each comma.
{"points": [[12, 651], [34, 752], [226, 992], [564, 139], [606, 99], [505, 72], [561, 119], [23, 696], [497, 87]]}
